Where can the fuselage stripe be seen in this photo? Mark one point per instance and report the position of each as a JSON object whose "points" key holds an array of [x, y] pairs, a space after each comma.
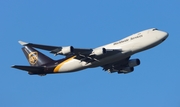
{"points": [[57, 68]]}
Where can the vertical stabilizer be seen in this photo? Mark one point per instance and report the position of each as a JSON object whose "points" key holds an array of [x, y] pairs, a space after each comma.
{"points": [[35, 57]]}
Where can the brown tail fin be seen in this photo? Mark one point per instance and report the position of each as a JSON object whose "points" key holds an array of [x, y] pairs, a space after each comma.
{"points": [[35, 57]]}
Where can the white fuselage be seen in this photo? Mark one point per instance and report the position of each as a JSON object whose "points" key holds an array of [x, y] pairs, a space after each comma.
{"points": [[130, 45]]}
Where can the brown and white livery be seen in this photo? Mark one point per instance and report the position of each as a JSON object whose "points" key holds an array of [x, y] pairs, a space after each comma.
{"points": [[113, 57]]}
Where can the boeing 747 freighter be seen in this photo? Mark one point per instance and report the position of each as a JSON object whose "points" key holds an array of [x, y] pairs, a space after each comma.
{"points": [[113, 57]]}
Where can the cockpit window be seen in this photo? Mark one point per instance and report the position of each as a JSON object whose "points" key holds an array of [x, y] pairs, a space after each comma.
{"points": [[154, 29]]}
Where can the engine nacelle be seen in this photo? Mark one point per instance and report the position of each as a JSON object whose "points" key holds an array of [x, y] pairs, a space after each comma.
{"points": [[66, 50], [133, 62], [126, 70], [98, 52]]}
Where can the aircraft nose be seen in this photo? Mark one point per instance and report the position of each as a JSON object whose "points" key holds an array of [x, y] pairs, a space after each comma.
{"points": [[165, 34], [162, 35]]}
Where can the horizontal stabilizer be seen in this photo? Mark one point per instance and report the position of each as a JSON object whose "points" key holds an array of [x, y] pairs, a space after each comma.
{"points": [[30, 69]]}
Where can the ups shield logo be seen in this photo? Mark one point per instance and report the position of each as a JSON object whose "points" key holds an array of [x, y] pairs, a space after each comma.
{"points": [[33, 58]]}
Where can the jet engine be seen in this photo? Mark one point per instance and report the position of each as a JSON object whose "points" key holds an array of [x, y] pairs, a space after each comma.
{"points": [[66, 50], [98, 52], [133, 62], [126, 70]]}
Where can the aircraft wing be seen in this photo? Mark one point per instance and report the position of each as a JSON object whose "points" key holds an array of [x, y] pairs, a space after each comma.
{"points": [[55, 49], [87, 55], [119, 66]]}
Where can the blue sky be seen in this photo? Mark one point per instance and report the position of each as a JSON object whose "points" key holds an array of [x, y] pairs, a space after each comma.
{"points": [[88, 24]]}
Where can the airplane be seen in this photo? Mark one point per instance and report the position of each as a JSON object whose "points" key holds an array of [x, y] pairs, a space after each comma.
{"points": [[113, 57]]}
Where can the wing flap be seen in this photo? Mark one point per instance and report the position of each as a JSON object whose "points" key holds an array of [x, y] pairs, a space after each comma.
{"points": [[116, 66]]}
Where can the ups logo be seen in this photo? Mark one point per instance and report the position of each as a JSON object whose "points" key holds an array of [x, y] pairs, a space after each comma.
{"points": [[33, 58]]}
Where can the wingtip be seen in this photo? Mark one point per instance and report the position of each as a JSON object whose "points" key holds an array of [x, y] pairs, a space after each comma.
{"points": [[12, 66], [22, 43]]}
